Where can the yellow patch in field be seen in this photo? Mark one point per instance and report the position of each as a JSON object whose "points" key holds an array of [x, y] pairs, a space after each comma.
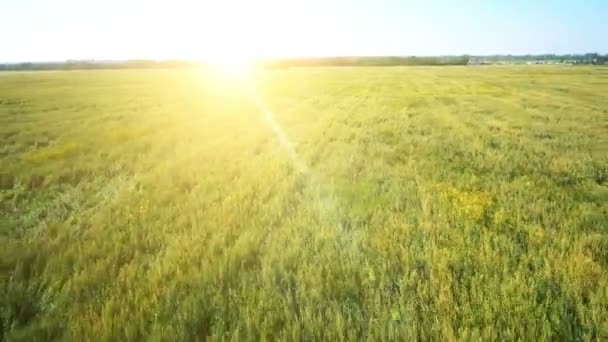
{"points": [[584, 270], [468, 205]]}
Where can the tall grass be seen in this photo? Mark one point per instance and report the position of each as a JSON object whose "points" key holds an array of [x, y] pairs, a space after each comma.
{"points": [[436, 203]]}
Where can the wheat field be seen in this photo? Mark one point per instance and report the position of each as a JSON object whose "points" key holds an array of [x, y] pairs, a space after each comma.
{"points": [[321, 203]]}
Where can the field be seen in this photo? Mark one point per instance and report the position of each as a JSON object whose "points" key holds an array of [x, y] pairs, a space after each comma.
{"points": [[431, 203]]}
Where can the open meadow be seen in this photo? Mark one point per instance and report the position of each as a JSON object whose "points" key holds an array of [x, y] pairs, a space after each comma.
{"points": [[397, 203]]}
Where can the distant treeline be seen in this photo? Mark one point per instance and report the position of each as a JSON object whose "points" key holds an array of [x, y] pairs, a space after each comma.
{"points": [[589, 58], [95, 64], [367, 61]]}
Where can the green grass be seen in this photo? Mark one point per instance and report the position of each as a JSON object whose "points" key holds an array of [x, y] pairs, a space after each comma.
{"points": [[436, 203]]}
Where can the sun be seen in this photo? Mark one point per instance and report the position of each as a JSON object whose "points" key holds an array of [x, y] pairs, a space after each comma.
{"points": [[232, 63]]}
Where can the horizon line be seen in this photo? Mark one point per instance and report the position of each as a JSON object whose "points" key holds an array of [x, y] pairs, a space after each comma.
{"points": [[204, 60]]}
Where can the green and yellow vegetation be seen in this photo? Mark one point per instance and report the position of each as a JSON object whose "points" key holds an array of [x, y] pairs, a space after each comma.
{"points": [[432, 203]]}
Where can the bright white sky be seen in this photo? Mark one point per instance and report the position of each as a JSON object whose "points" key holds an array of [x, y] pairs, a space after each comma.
{"points": [[46, 30]]}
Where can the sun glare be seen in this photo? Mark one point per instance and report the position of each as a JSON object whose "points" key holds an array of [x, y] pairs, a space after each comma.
{"points": [[232, 64]]}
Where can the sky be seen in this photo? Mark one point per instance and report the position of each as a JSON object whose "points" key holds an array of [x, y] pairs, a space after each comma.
{"points": [[56, 30]]}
